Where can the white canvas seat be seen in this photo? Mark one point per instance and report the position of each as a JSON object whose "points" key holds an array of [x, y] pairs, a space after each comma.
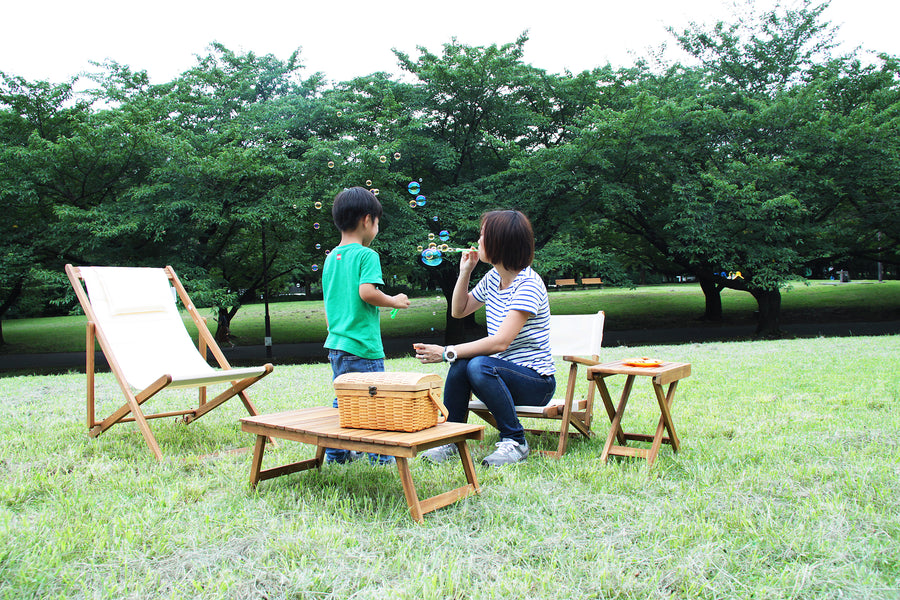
{"points": [[132, 313], [577, 339]]}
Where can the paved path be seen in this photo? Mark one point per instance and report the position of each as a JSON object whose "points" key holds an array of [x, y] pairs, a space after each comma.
{"points": [[62, 362]]}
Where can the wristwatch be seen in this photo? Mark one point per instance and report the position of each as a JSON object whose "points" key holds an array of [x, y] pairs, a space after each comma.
{"points": [[450, 354]]}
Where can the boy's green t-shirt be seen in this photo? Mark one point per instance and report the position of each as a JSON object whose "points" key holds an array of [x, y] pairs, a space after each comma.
{"points": [[353, 325]]}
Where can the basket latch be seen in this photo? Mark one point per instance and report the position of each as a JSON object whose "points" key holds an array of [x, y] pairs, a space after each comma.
{"points": [[373, 389]]}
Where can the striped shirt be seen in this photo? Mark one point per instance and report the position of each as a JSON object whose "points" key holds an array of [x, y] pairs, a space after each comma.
{"points": [[527, 293]]}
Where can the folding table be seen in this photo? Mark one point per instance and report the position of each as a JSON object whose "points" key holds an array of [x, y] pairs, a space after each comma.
{"points": [[665, 373], [321, 427]]}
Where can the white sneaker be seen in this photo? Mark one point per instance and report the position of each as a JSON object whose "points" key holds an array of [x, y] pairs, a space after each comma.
{"points": [[508, 452], [440, 454]]}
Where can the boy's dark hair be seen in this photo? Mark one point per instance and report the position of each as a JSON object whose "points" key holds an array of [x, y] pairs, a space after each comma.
{"points": [[508, 239], [352, 205]]}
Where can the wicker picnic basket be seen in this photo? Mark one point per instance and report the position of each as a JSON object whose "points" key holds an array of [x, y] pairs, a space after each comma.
{"points": [[390, 401]]}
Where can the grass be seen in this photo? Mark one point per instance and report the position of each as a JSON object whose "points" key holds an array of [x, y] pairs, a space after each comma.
{"points": [[644, 307], [787, 486]]}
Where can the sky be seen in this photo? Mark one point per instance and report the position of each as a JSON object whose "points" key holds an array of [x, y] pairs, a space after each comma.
{"points": [[56, 39]]}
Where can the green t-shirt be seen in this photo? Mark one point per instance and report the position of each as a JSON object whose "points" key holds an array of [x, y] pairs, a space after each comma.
{"points": [[353, 324]]}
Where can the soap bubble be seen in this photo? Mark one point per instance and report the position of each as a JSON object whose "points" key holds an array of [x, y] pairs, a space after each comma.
{"points": [[318, 205], [420, 200], [432, 257], [340, 114], [430, 236], [375, 191], [433, 246], [318, 246], [315, 268], [396, 156], [330, 164], [412, 204], [382, 158], [444, 235], [419, 248], [295, 206], [444, 248], [368, 183], [434, 218], [315, 225], [414, 187]]}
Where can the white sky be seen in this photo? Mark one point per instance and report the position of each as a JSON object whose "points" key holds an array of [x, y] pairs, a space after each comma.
{"points": [[56, 39]]}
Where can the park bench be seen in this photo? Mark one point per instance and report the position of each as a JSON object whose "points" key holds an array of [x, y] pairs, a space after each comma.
{"points": [[586, 281], [564, 283]]}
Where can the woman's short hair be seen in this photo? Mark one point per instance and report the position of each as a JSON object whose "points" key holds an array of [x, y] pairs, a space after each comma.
{"points": [[352, 205], [508, 239]]}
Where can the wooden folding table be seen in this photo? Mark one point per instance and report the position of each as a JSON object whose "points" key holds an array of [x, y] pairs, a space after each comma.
{"points": [[321, 427], [666, 373]]}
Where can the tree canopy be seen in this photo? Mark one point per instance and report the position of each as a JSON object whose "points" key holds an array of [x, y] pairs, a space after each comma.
{"points": [[767, 155]]}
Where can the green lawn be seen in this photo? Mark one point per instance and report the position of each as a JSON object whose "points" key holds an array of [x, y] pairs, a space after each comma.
{"points": [[787, 486], [644, 307]]}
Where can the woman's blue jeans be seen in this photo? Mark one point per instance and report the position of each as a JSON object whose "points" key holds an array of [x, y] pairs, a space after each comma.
{"points": [[344, 362], [501, 385]]}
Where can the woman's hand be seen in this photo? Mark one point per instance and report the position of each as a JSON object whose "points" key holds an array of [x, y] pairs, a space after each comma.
{"points": [[468, 260], [429, 353]]}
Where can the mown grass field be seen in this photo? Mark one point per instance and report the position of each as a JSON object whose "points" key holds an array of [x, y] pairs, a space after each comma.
{"points": [[787, 486], [641, 308]]}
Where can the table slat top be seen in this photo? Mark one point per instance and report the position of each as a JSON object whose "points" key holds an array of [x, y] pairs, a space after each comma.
{"points": [[325, 422], [665, 373]]}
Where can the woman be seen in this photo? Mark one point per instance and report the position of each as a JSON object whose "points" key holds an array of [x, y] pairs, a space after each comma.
{"points": [[512, 365]]}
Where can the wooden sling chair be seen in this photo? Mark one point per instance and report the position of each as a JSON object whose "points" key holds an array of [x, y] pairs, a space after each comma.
{"points": [[577, 339], [131, 312]]}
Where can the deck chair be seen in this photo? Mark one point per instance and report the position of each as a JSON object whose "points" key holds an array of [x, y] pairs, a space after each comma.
{"points": [[131, 312], [577, 339]]}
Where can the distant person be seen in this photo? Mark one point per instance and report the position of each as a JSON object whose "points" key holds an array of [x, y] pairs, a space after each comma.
{"points": [[513, 364], [351, 272]]}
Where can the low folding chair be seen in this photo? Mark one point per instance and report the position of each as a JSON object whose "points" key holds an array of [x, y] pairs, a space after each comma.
{"points": [[577, 339], [131, 312]]}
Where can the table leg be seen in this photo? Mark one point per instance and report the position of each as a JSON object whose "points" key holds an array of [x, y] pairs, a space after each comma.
{"points": [[256, 465], [665, 421], [600, 384], [617, 419], [469, 468], [409, 489]]}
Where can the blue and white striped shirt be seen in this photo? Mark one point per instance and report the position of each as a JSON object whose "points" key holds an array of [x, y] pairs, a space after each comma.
{"points": [[527, 293]]}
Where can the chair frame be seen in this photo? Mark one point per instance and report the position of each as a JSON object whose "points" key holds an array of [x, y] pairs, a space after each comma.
{"points": [[206, 342], [572, 414]]}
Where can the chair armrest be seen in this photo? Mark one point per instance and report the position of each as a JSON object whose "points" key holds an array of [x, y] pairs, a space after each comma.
{"points": [[581, 361]]}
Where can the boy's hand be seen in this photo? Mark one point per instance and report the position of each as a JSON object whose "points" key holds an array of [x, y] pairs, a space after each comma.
{"points": [[400, 301]]}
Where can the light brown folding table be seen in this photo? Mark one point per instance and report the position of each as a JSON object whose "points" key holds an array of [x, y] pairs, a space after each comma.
{"points": [[665, 373], [321, 427]]}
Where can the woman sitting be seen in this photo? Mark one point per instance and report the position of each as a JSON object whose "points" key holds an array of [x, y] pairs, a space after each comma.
{"points": [[512, 365]]}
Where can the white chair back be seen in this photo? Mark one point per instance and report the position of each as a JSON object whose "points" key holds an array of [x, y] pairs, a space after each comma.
{"points": [[576, 335]]}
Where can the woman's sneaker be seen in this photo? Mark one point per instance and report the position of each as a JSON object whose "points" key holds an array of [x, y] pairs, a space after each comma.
{"points": [[441, 454], [507, 452]]}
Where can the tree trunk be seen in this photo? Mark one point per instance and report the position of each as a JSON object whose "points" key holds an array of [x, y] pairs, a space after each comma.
{"points": [[769, 319], [713, 296], [8, 303], [223, 328]]}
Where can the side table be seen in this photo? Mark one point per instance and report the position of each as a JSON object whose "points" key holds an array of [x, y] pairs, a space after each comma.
{"points": [[666, 373]]}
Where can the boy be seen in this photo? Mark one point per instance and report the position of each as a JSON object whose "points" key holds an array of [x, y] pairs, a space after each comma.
{"points": [[351, 272]]}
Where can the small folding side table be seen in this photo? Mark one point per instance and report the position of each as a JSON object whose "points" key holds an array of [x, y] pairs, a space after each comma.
{"points": [[661, 374]]}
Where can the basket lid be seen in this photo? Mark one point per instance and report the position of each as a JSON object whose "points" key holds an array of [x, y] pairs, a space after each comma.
{"points": [[388, 381]]}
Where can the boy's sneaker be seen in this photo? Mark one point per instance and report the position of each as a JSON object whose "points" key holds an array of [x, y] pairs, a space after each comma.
{"points": [[508, 452], [440, 454]]}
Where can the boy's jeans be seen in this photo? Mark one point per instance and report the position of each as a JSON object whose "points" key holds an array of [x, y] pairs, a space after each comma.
{"points": [[501, 385], [344, 362]]}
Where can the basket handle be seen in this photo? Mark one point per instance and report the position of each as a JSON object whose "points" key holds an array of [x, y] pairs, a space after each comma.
{"points": [[440, 405]]}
